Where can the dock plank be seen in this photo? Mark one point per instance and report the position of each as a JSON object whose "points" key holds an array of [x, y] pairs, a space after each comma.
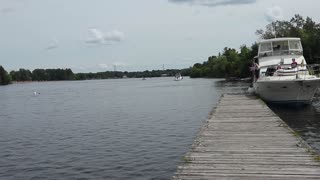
{"points": [[244, 139]]}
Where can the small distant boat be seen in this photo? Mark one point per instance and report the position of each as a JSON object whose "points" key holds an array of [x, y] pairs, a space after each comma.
{"points": [[144, 78], [35, 93], [178, 77]]}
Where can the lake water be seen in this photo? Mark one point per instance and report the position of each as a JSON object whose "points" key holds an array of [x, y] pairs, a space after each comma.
{"points": [[113, 129], [305, 120]]}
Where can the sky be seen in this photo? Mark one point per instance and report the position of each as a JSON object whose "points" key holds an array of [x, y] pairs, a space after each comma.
{"points": [[132, 35]]}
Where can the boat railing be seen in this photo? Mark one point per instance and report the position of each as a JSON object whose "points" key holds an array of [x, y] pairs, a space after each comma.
{"points": [[283, 66], [280, 53], [314, 69], [300, 72]]}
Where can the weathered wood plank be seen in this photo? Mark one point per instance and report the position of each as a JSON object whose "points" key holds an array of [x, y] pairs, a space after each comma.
{"points": [[244, 139]]}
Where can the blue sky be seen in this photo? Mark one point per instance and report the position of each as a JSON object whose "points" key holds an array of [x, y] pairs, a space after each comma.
{"points": [[95, 35]]}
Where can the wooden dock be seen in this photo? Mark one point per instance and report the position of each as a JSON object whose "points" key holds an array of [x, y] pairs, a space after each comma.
{"points": [[244, 139]]}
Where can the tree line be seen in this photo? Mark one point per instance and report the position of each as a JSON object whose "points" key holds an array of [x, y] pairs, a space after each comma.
{"points": [[42, 75], [4, 76], [67, 74], [231, 63], [137, 74]]}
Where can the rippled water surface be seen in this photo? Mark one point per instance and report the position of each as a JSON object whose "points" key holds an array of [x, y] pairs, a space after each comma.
{"points": [[303, 119], [106, 129], [112, 129]]}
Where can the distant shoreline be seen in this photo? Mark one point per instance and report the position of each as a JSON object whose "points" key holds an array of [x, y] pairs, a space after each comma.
{"points": [[25, 82]]}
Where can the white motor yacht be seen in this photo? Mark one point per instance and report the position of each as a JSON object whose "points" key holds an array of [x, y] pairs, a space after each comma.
{"points": [[279, 80]]}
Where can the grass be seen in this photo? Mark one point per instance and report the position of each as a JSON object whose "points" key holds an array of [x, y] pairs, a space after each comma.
{"points": [[317, 158], [296, 134], [186, 159]]}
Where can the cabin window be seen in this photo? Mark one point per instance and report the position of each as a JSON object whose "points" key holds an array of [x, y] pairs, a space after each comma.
{"points": [[295, 47], [265, 49], [280, 48]]}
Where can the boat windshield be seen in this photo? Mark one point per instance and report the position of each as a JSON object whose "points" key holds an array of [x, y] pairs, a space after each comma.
{"points": [[278, 48], [295, 45]]}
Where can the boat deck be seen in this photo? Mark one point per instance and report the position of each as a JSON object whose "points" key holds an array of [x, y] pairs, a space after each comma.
{"points": [[244, 139]]}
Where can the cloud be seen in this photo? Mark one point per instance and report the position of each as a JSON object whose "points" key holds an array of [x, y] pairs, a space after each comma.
{"points": [[213, 3], [6, 10], [120, 64], [53, 44], [105, 38], [112, 65], [11, 6], [104, 66], [274, 13]]}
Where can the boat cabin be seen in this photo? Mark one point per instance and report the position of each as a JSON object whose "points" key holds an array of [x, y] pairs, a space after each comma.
{"points": [[280, 47], [276, 55]]}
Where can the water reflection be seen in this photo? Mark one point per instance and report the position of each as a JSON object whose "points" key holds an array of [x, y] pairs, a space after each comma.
{"points": [[232, 86], [303, 119]]}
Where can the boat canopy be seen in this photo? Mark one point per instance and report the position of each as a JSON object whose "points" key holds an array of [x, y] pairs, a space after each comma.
{"points": [[280, 47]]}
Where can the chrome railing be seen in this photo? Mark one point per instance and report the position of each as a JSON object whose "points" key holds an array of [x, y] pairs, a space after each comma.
{"points": [[314, 69]]}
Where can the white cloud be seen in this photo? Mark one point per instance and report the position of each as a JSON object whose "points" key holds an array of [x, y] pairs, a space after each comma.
{"points": [[91, 67], [112, 66], [104, 66], [213, 3], [120, 64], [53, 44], [274, 13], [11, 6], [105, 38], [7, 10]]}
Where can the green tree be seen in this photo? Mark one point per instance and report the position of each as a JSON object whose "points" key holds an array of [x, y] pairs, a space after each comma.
{"points": [[4, 77], [229, 63], [196, 72], [40, 75], [21, 75]]}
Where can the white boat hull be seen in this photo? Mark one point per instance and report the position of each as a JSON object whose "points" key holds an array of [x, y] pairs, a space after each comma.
{"points": [[178, 79], [287, 91]]}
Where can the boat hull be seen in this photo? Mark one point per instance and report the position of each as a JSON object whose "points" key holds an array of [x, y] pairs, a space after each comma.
{"points": [[297, 91]]}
